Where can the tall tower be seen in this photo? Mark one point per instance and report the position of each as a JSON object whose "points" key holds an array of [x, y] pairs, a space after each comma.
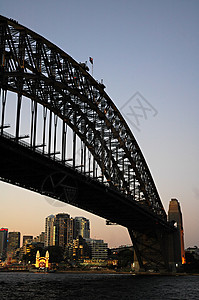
{"points": [[175, 216], [3, 243], [63, 230], [81, 227], [49, 223], [13, 241]]}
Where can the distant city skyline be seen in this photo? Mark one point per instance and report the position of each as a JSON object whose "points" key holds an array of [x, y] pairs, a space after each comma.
{"points": [[72, 235], [44, 207], [81, 227]]}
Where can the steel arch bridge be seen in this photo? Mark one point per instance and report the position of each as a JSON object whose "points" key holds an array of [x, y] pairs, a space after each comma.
{"points": [[106, 172]]}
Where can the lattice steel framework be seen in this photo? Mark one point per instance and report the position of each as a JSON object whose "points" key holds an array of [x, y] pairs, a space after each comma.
{"points": [[37, 69]]}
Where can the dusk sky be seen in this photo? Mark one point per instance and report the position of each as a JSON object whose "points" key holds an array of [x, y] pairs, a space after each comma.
{"points": [[148, 47]]}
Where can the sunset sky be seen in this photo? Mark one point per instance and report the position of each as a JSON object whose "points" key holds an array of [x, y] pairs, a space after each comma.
{"points": [[148, 47]]}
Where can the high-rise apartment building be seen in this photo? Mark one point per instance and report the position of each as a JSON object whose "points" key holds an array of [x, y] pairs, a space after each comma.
{"points": [[27, 241], [62, 230], [3, 243], [42, 237], [98, 249], [13, 241], [58, 230], [49, 224], [81, 227]]}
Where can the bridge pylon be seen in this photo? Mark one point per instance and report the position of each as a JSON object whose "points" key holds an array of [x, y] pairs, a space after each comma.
{"points": [[177, 258], [160, 250], [150, 251]]}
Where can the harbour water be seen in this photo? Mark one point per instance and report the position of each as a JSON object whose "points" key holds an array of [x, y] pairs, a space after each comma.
{"points": [[41, 286]]}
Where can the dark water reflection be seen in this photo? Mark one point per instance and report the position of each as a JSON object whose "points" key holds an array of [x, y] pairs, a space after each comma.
{"points": [[96, 286]]}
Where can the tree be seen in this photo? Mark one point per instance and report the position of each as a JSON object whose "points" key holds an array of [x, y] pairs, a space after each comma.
{"points": [[56, 254]]}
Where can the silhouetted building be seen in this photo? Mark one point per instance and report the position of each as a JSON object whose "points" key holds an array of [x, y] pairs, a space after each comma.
{"points": [[13, 241], [3, 243], [27, 244], [40, 238], [175, 217], [81, 227], [194, 251], [27, 239], [62, 230]]}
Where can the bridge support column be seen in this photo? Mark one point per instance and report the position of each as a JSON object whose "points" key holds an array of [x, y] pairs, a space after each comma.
{"points": [[159, 249], [150, 251]]}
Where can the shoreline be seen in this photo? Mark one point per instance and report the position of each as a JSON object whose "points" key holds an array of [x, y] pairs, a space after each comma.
{"points": [[102, 272]]}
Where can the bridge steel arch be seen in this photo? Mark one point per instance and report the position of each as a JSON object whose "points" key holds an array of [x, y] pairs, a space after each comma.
{"points": [[33, 67]]}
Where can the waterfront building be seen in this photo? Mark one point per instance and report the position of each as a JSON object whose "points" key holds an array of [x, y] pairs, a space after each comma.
{"points": [[81, 227], [3, 243], [42, 262], [98, 249], [78, 250]]}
